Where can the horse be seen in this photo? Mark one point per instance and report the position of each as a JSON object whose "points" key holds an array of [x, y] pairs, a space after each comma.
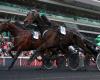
{"points": [[50, 38], [72, 37], [23, 40]]}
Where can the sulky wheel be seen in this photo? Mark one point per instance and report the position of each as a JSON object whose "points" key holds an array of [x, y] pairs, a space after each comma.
{"points": [[47, 63], [73, 58], [98, 61], [73, 62]]}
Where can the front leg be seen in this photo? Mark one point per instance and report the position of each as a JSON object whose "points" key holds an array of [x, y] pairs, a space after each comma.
{"points": [[14, 60], [9, 52]]}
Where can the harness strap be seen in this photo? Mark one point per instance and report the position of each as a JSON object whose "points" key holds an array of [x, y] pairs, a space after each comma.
{"points": [[44, 32]]}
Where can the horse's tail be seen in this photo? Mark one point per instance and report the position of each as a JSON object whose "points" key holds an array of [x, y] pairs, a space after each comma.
{"points": [[91, 46]]}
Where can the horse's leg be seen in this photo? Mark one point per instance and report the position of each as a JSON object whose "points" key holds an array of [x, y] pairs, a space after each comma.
{"points": [[9, 52], [14, 60], [12, 49], [87, 52], [33, 56], [43, 47], [87, 60], [49, 42]]}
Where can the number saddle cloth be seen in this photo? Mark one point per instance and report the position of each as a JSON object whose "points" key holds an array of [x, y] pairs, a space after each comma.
{"points": [[62, 30]]}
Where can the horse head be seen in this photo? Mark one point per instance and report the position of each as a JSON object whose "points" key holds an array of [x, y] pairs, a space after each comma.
{"points": [[31, 16]]}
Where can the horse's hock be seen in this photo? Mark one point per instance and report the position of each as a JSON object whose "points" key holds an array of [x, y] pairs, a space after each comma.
{"points": [[98, 61]]}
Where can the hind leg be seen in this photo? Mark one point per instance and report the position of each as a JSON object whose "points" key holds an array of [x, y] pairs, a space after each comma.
{"points": [[87, 52], [49, 42], [38, 51], [87, 61]]}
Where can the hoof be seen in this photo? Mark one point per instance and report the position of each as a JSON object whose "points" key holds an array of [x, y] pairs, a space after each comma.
{"points": [[9, 68]]}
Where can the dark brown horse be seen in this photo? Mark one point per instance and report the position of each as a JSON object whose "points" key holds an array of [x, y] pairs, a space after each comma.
{"points": [[56, 39]]}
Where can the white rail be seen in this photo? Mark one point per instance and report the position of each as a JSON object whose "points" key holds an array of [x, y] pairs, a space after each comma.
{"points": [[20, 60]]}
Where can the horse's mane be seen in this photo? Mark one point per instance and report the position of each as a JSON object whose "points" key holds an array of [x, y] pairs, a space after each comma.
{"points": [[38, 20], [75, 31], [47, 21]]}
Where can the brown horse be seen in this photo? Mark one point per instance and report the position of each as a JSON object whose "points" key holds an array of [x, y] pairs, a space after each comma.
{"points": [[22, 39], [51, 38], [72, 37]]}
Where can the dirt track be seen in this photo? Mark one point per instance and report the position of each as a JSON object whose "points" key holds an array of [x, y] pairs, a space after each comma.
{"points": [[22, 74]]}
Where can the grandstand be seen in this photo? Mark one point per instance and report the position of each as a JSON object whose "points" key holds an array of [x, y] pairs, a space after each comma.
{"points": [[63, 11]]}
